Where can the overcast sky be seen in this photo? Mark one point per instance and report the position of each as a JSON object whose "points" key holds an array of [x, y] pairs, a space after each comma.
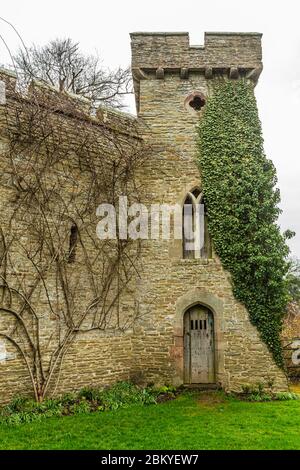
{"points": [[104, 26]]}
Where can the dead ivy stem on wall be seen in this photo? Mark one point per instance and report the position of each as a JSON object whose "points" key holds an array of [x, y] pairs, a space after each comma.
{"points": [[58, 166]]}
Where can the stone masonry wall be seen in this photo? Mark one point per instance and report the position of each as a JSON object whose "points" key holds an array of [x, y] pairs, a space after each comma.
{"points": [[173, 50], [97, 357], [170, 284], [166, 70]]}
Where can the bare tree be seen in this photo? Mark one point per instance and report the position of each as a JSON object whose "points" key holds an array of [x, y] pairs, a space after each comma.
{"points": [[60, 63]]}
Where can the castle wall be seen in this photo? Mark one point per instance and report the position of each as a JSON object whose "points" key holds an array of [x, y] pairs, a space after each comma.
{"points": [[166, 71], [103, 353]]}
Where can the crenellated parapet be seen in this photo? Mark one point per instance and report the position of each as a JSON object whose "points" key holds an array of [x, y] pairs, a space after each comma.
{"points": [[66, 104], [231, 54], [172, 51]]}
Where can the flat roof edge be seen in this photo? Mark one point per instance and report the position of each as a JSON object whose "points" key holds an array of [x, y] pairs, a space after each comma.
{"points": [[185, 33], [158, 33], [231, 33]]}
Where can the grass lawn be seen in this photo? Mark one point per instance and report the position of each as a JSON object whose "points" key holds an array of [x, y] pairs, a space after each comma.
{"points": [[192, 421]]}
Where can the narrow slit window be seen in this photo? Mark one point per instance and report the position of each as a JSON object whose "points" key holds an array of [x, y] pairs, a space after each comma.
{"points": [[204, 324], [196, 324], [73, 243], [200, 321], [192, 324]]}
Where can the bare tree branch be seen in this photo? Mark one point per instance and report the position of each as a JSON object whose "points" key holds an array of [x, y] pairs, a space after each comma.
{"points": [[61, 64]]}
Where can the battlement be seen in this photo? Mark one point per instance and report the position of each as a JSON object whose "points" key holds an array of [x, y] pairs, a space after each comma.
{"points": [[173, 51], [233, 55], [66, 104]]}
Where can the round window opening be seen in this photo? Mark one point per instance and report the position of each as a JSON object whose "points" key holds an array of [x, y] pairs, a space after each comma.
{"points": [[194, 102]]}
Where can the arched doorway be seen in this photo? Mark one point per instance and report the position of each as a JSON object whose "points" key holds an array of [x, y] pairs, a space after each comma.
{"points": [[199, 345]]}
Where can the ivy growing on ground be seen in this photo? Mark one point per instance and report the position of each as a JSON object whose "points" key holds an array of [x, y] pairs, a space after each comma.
{"points": [[242, 206]]}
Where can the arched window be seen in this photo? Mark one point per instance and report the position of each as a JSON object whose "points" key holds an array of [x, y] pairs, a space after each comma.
{"points": [[196, 240]]}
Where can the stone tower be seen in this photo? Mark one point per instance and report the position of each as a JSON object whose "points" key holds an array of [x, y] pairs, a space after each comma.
{"points": [[195, 331], [189, 328]]}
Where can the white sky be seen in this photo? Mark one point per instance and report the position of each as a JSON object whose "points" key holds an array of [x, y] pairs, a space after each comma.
{"points": [[104, 26]]}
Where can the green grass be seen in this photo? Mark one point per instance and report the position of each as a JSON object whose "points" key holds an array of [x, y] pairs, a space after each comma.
{"points": [[192, 421]]}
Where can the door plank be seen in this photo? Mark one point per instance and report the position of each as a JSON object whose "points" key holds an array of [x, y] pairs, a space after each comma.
{"points": [[199, 346]]}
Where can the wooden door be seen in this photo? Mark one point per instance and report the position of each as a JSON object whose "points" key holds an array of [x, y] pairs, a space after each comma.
{"points": [[199, 354]]}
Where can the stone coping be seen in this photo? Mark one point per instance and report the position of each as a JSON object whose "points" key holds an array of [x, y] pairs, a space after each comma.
{"points": [[186, 33]]}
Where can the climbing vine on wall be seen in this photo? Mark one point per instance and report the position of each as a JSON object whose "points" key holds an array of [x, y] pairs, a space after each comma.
{"points": [[242, 204]]}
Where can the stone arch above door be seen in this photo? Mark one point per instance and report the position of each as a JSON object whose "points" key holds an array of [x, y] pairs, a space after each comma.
{"points": [[193, 297]]}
